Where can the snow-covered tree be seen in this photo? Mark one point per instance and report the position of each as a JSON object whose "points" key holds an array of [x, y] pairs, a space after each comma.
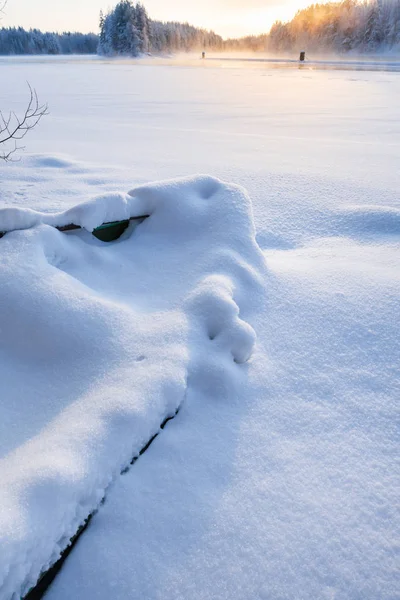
{"points": [[119, 33], [365, 26], [19, 41], [127, 29]]}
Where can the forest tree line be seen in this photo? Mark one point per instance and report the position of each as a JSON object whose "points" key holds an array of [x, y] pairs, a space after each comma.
{"points": [[16, 40], [366, 26], [128, 30]]}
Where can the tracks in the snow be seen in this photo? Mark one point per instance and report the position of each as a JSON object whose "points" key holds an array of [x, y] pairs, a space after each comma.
{"points": [[47, 578]]}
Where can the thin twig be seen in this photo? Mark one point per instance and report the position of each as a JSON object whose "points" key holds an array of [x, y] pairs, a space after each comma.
{"points": [[14, 128]]}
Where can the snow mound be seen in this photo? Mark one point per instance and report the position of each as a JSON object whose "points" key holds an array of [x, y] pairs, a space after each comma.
{"points": [[378, 220], [213, 302], [89, 215], [99, 343]]}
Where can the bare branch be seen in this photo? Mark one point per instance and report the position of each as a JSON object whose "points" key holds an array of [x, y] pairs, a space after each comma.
{"points": [[3, 5], [14, 128]]}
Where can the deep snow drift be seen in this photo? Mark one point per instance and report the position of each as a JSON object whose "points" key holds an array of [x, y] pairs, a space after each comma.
{"points": [[283, 483], [101, 342], [278, 480]]}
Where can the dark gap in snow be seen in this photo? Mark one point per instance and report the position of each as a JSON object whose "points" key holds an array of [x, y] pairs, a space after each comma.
{"points": [[151, 440], [47, 578], [107, 232]]}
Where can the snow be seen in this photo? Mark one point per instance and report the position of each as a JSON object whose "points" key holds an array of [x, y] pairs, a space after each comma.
{"points": [[278, 339], [104, 331], [89, 215], [384, 62]]}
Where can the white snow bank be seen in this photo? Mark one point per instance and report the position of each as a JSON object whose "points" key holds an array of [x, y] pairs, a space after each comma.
{"points": [[281, 484], [375, 220], [89, 215], [286, 487], [98, 342]]}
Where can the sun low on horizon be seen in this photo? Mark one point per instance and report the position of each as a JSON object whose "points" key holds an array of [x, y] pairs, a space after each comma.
{"points": [[229, 18], [255, 17]]}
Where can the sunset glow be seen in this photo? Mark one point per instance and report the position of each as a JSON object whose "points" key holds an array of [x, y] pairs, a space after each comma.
{"points": [[229, 18]]}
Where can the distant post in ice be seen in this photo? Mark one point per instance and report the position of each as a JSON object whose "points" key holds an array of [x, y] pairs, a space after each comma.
{"points": [[203, 55], [302, 56]]}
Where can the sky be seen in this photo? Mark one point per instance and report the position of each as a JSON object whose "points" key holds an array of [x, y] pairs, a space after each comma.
{"points": [[229, 18]]}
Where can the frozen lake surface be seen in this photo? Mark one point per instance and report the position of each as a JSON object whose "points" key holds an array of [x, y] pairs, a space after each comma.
{"points": [[329, 137], [278, 478], [248, 125]]}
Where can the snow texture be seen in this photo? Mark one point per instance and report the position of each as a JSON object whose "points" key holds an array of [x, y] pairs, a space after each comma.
{"points": [[96, 347], [278, 479], [281, 484], [89, 215]]}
